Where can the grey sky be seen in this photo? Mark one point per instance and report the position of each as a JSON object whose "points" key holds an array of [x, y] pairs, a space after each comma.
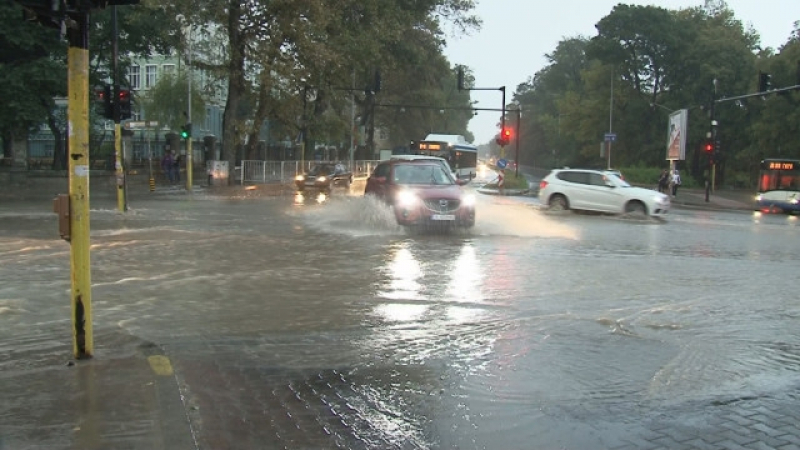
{"points": [[516, 34]]}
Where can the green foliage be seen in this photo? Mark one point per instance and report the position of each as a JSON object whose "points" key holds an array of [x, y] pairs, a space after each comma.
{"points": [[646, 62], [166, 101]]}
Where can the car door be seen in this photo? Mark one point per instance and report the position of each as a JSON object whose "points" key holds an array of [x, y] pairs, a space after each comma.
{"points": [[576, 188], [377, 182], [605, 195]]}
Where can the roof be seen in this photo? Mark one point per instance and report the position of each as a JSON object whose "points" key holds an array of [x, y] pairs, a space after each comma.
{"points": [[451, 138]]}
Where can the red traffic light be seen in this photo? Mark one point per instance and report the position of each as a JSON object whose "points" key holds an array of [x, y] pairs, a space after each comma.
{"points": [[708, 147], [507, 134]]}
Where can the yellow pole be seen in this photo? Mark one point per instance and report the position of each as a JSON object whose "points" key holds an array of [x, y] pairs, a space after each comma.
{"points": [[120, 172], [189, 164], [78, 129]]}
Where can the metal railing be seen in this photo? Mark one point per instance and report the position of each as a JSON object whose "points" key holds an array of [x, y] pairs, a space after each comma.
{"points": [[250, 171]]}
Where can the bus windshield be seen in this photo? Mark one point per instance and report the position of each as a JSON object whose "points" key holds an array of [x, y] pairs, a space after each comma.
{"points": [[462, 158], [779, 175]]}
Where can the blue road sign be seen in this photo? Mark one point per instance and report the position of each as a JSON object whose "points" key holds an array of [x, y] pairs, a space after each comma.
{"points": [[502, 163], [611, 137]]}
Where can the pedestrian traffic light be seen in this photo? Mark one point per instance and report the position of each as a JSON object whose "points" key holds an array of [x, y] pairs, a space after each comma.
{"points": [[103, 100], [124, 97], [764, 81], [186, 131]]}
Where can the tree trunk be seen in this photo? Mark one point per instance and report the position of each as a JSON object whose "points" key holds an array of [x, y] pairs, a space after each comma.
{"points": [[236, 89], [8, 148], [59, 151]]}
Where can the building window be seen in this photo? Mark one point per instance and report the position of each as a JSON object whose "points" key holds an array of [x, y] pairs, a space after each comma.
{"points": [[134, 77], [168, 69], [150, 76]]}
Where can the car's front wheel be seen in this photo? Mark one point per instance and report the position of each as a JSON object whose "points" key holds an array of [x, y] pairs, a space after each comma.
{"points": [[636, 208], [558, 203]]}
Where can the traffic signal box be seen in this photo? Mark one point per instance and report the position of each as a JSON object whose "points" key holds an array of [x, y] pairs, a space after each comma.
{"points": [[106, 101], [505, 137], [186, 131]]}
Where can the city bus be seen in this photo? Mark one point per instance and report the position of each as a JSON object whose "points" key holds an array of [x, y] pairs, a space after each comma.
{"points": [[778, 181], [461, 155]]}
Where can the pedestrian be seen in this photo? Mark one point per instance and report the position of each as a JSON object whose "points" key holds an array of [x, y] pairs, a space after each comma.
{"points": [[176, 167], [167, 166], [675, 182], [663, 181]]}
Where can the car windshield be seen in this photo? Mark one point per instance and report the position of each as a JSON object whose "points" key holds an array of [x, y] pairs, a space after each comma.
{"points": [[321, 170], [421, 174]]}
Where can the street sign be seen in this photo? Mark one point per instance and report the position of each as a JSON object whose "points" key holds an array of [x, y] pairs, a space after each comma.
{"points": [[502, 163], [610, 137], [138, 125]]}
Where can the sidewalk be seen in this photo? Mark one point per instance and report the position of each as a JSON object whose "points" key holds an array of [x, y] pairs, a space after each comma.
{"points": [[126, 397], [721, 199]]}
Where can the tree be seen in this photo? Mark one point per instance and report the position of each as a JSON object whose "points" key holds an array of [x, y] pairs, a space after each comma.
{"points": [[29, 79], [166, 101]]}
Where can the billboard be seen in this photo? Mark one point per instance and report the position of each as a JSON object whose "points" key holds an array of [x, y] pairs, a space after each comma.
{"points": [[676, 135]]}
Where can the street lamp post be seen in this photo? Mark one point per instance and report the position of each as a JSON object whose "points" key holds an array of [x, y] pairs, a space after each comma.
{"points": [[189, 162]]}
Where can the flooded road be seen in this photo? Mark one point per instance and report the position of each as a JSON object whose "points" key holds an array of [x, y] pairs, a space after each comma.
{"points": [[330, 326]]}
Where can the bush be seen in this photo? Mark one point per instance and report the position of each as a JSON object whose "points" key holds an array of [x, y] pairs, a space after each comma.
{"points": [[512, 182]]}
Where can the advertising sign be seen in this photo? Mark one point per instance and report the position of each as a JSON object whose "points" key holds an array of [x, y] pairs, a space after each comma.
{"points": [[676, 136]]}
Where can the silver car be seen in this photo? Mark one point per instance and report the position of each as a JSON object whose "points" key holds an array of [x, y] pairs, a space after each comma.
{"points": [[598, 190]]}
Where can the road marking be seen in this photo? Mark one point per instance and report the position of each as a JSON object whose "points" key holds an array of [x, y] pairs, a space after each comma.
{"points": [[160, 365]]}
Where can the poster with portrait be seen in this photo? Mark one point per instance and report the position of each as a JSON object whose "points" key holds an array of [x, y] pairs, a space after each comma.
{"points": [[676, 136]]}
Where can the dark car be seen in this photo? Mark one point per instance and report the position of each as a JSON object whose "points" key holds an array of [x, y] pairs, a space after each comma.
{"points": [[324, 177], [421, 192]]}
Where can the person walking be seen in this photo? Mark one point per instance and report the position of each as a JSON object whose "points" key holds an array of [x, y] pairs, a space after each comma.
{"points": [[166, 166], [176, 167], [663, 181], [675, 181]]}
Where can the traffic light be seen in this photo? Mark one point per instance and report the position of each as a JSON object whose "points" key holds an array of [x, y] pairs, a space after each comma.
{"points": [[186, 131], [708, 148], [504, 138], [764, 81], [507, 134], [124, 97], [104, 105]]}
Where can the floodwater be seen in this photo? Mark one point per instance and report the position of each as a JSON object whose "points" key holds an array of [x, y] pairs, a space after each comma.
{"points": [[330, 326]]}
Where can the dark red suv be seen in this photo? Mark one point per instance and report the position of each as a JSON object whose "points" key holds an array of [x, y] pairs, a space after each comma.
{"points": [[422, 193]]}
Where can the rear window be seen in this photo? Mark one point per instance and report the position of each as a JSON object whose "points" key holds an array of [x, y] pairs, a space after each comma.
{"points": [[574, 177]]}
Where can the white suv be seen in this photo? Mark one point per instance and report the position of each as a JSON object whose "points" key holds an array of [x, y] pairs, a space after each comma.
{"points": [[598, 190]]}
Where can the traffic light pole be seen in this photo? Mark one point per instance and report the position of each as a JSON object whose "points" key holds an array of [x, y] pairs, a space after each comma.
{"points": [[189, 163], [78, 167], [119, 159]]}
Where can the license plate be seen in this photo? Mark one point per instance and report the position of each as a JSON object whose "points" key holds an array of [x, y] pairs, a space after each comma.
{"points": [[443, 217]]}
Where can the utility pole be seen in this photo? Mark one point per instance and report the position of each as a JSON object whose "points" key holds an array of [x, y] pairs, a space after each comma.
{"points": [[189, 78], [119, 166], [78, 129], [610, 120]]}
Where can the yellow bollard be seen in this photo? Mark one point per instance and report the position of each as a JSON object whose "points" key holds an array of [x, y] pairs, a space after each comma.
{"points": [[152, 184]]}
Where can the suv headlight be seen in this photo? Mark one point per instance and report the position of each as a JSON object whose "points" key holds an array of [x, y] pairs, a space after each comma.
{"points": [[407, 199], [300, 177], [321, 179]]}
